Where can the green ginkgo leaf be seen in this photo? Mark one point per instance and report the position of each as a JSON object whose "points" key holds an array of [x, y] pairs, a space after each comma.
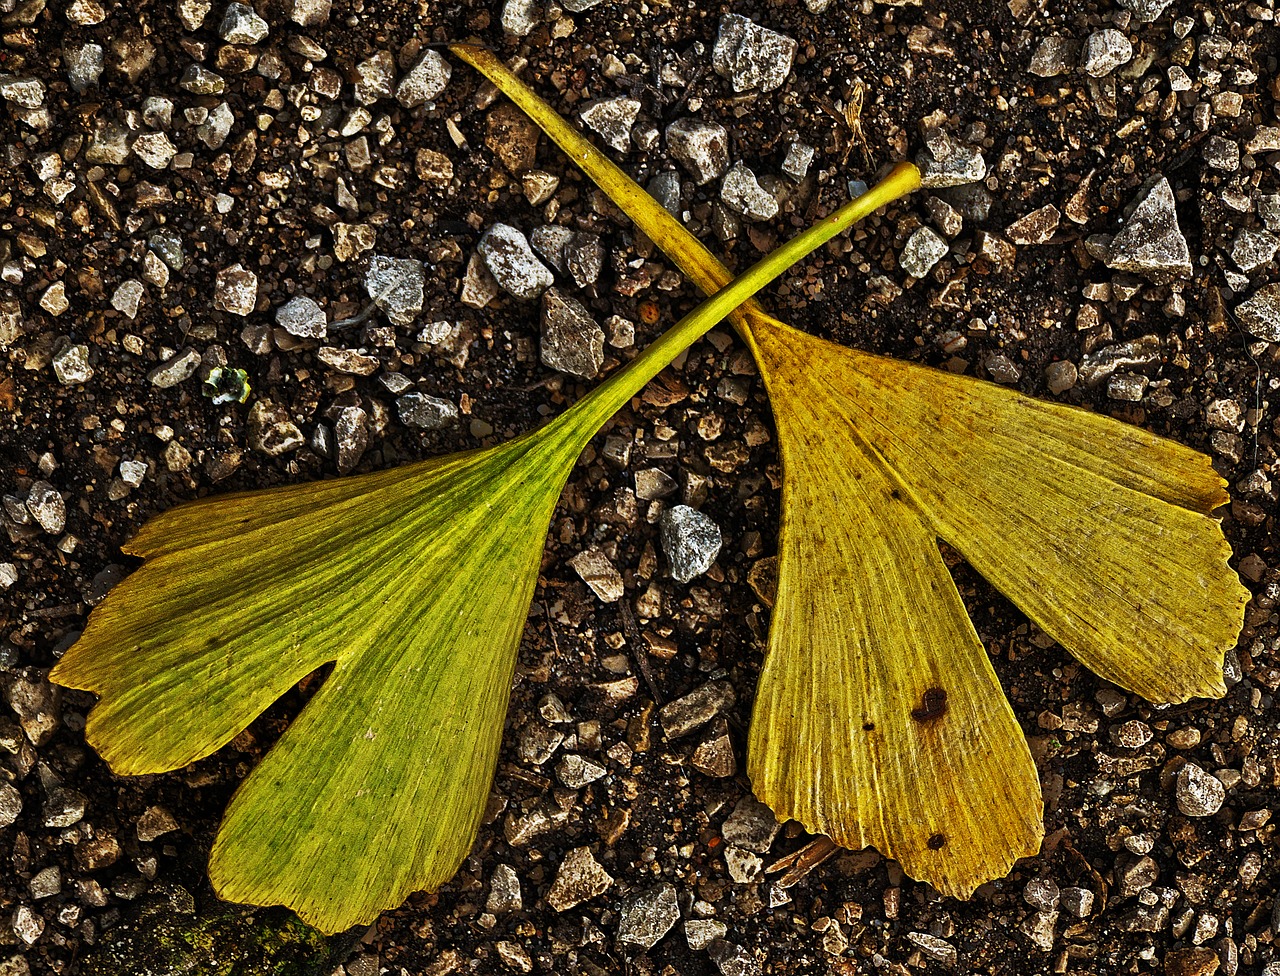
{"points": [[414, 584], [878, 719]]}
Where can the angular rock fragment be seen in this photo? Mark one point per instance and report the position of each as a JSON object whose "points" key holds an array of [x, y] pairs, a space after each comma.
{"points": [[1151, 243], [691, 541], [613, 119], [572, 341], [700, 147], [750, 56], [514, 266]]}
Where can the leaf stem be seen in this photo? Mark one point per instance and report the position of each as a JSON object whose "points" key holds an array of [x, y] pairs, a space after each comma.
{"points": [[593, 410]]}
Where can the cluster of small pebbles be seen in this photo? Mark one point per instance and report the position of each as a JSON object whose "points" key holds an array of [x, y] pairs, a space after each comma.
{"points": [[247, 244]]}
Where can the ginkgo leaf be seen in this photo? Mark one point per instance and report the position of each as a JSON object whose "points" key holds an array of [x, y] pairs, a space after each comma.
{"points": [[414, 584], [878, 719]]}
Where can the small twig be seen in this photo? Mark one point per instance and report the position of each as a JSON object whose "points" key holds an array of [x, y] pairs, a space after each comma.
{"points": [[636, 641]]}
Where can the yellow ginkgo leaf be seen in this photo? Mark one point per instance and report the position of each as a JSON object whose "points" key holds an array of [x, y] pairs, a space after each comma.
{"points": [[414, 584], [878, 719]]}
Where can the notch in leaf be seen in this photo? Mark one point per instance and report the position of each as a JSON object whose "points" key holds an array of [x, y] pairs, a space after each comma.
{"points": [[415, 584], [879, 720]]}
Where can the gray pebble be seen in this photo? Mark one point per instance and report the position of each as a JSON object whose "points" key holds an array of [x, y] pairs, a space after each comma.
{"points": [[242, 25], [549, 240], [517, 270], [71, 365], [1146, 11], [175, 369], [701, 932], [520, 17], [424, 81], [733, 960], [575, 771], [84, 66], [1135, 874], [1060, 376], [63, 807], [1199, 794], [397, 287], [236, 290], [427, 412], [45, 883], [199, 80], [213, 131], [1099, 364], [46, 506], [700, 147], [128, 297], [1076, 901], [1129, 387], [271, 431], [303, 318], [646, 916], [796, 163], [1151, 243], [613, 119], [599, 573], [37, 703], [584, 258], [504, 891], [691, 541], [1052, 57], [696, 709], [923, 249], [10, 804], [741, 191], [23, 92], [964, 164], [193, 12], [572, 341], [1041, 893], [665, 188], [351, 430], [752, 826], [579, 878], [750, 56], [1260, 315], [1104, 51], [1254, 249], [309, 13]]}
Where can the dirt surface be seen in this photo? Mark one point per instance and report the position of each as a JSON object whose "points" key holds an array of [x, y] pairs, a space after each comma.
{"points": [[305, 165]]}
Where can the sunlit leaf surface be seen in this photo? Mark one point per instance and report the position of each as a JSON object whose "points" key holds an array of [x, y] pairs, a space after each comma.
{"points": [[878, 719]]}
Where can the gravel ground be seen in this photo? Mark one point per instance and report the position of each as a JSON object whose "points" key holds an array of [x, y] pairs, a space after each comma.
{"points": [[191, 197]]}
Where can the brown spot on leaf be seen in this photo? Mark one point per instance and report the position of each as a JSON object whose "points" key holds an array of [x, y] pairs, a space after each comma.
{"points": [[937, 842], [933, 705]]}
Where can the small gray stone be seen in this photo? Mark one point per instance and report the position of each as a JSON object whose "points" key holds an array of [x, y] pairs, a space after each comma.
{"points": [[964, 164], [1104, 51], [744, 867], [599, 573], [214, 130], [520, 17], [374, 77], [700, 147], [72, 365], [1036, 227], [939, 950], [583, 256], [579, 879], [427, 412], [271, 431], [199, 80], [478, 286], [154, 149], [168, 246], [63, 807], [193, 12], [1222, 153], [424, 81], [309, 13], [752, 826], [23, 92], [575, 771], [28, 926], [504, 891], [1038, 927], [799, 157], [396, 286], [1041, 893], [45, 884], [175, 369], [1052, 57], [691, 541], [84, 66], [1135, 874], [696, 709], [1076, 901], [1146, 11], [701, 932], [36, 702], [733, 960], [351, 430], [517, 270], [1199, 794], [572, 341], [750, 56], [1150, 243], [1061, 376], [133, 473], [1138, 353], [549, 240], [302, 317], [923, 249], [646, 916], [236, 290], [45, 505], [1127, 386], [654, 483], [613, 119], [155, 822], [741, 191], [8, 576], [10, 804], [128, 297], [1260, 315], [1253, 249], [665, 188], [242, 25]]}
